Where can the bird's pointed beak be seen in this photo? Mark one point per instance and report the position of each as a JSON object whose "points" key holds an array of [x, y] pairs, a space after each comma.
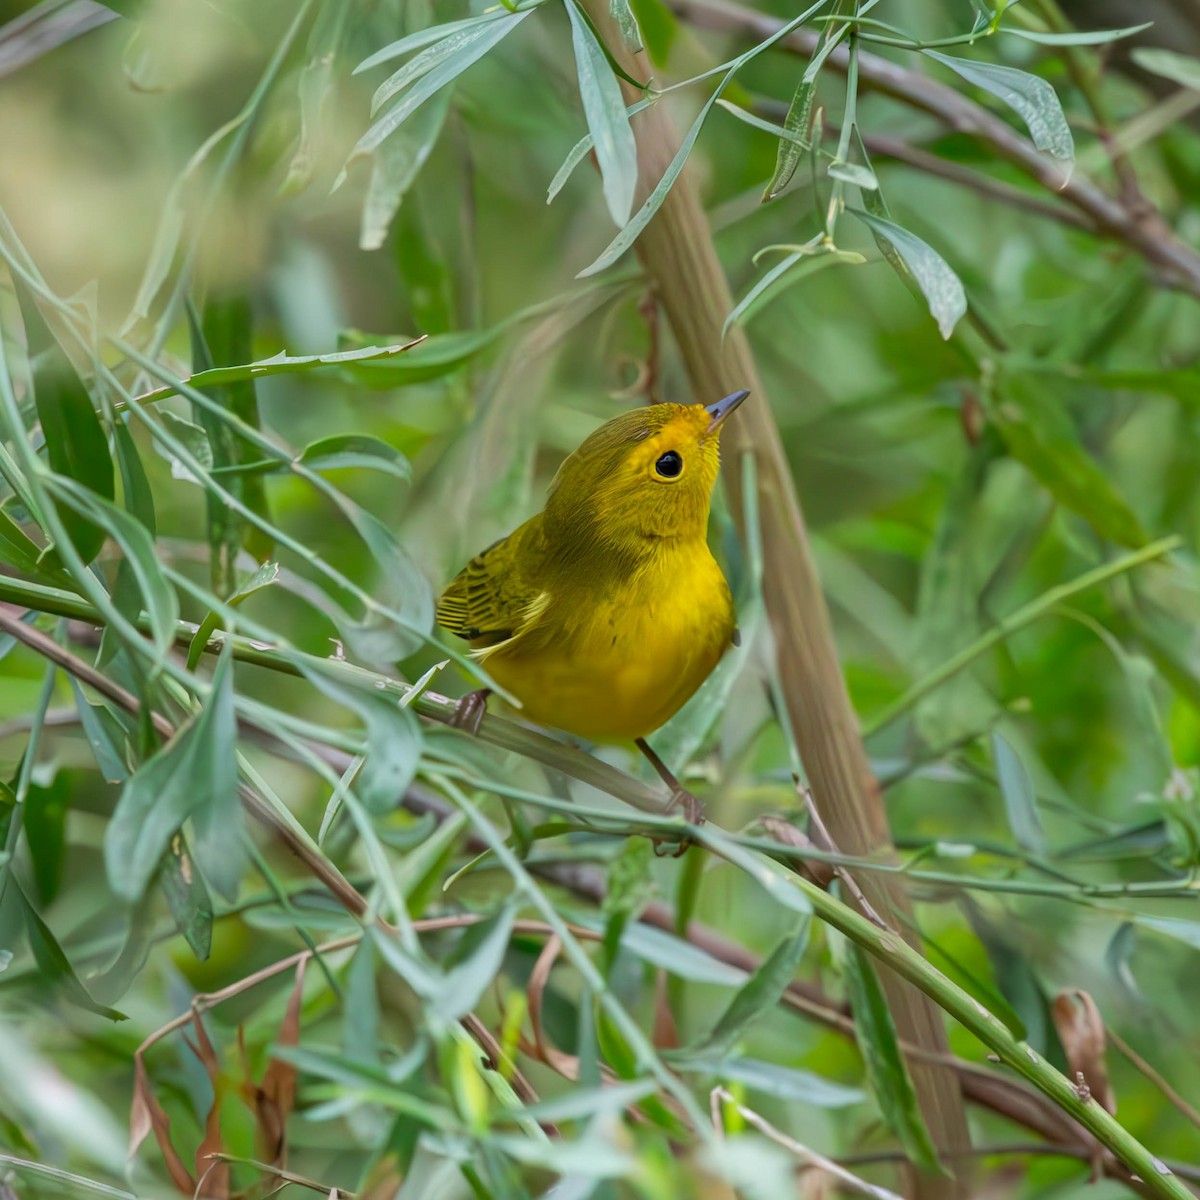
{"points": [[722, 408]]}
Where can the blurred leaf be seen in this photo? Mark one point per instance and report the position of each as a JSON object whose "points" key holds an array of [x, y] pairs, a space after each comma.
{"points": [[195, 441], [194, 774], [1040, 434], [1182, 69], [760, 995], [337, 452], [786, 272], [75, 442], [1029, 96], [393, 739], [187, 896], [854, 173], [52, 962], [420, 873], [45, 832], [394, 167], [475, 963], [426, 74], [157, 595], [1020, 803], [772, 1079], [626, 23], [941, 287], [1117, 955], [135, 486], [1015, 979], [608, 123], [314, 88], [886, 1069], [17, 550], [426, 37], [1140, 841], [360, 1031], [658, 27], [662, 949], [1187, 932], [1079, 37]]}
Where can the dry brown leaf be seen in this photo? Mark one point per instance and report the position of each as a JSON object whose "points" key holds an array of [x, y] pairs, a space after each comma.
{"points": [[1081, 1031], [147, 1114], [275, 1098], [212, 1172]]}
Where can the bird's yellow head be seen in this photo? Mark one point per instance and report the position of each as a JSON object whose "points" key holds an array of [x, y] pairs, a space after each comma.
{"points": [[647, 474]]}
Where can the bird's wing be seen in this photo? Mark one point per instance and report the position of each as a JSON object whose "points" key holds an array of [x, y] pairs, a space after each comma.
{"points": [[493, 598]]}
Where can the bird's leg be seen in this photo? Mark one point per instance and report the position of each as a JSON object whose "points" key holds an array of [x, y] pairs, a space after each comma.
{"points": [[469, 711], [693, 810]]}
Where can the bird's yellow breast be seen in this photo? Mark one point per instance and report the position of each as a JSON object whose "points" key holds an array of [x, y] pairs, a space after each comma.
{"points": [[615, 661]]}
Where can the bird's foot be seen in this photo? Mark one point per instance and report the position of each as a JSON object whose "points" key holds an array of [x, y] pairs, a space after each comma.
{"points": [[693, 810], [693, 813], [470, 710]]}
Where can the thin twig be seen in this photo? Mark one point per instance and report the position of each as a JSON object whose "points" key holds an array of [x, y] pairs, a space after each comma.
{"points": [[809, 1157], [1155, 1078]]}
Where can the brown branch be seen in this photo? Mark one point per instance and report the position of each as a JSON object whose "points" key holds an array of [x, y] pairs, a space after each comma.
{"points": [[1142, 228], [678, 253]]}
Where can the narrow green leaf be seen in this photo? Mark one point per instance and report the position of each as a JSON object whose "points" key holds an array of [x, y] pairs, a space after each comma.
{"points": [[218, 824], [608, 122], [17, 550], [158, 597], [395, 166], [760, 994], [1020, 803], [1029, 96], [788, 271], [1187, 932], [796, 123], [52, 961], [463, 51], [393, 739], [434, 358], [75, 442], [886, 1070], [631, 231], [45, 832], [337, 452], [425, 37], [673, 954], [1079, 37], [854, 173], [1182, 69], [314, 89], [194, 771], [476, 961], [420, 873], [266, 575], [1146, 840], [792, 1084], [941, 287], [187, 896], [283, 364], [360, 1030], [105, 735], [1039, 433]]}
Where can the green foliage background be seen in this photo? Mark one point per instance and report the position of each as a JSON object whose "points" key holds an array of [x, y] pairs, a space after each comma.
{"points": [[173, 199]]}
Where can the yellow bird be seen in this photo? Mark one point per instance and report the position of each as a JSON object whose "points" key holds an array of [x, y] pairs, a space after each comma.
{"points": [[605, 612]]}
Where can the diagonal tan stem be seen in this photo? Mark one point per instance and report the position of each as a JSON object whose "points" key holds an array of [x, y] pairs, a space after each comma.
{"points": [[678, 253]]}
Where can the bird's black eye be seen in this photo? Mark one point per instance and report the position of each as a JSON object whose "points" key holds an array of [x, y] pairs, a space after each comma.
{"points": [[669, 465]]}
